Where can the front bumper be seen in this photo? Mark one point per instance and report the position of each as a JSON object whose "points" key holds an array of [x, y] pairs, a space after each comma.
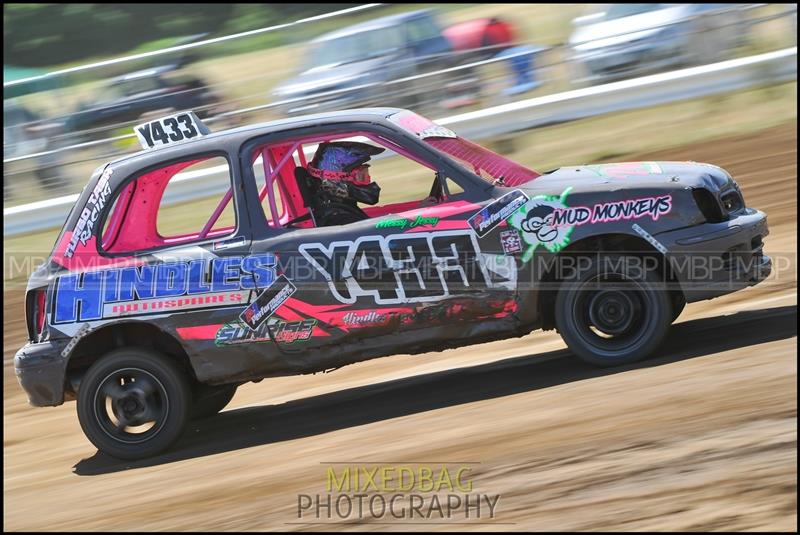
{"points": [[715, 259], [40, 370]]}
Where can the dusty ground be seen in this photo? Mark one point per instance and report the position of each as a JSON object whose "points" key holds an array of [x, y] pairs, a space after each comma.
{"points": [[701, 437]]}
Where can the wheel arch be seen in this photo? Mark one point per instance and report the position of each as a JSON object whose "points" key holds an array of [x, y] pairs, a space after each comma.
{"points": [[610, 243], [124, 334]]}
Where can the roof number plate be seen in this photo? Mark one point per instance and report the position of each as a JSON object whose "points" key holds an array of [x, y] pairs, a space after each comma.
{"points": [[170, 130]]}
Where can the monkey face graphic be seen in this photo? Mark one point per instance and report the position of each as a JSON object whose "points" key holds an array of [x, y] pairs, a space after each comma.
{"points": [[537, 223]]}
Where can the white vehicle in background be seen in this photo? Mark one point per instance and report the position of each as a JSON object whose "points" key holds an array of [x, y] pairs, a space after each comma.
{"points": [[25, 134], [626, 40]]}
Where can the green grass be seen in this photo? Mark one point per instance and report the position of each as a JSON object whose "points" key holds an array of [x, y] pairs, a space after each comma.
{"points": [[592, 140]]}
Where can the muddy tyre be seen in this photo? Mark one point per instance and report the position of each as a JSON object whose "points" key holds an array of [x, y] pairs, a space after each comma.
{"points": [[613, 310], [133, 403]]}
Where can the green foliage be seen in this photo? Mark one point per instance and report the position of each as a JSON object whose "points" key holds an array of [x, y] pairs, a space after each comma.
{"points": [[54, 34]]}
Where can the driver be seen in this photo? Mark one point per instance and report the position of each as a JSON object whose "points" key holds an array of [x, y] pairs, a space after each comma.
{"points": [[344, 181]]}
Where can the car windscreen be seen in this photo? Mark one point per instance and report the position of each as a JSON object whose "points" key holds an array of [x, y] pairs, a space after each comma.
{"points": [[470, 156]]}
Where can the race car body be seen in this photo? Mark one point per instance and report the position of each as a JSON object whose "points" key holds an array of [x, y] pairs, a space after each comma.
{"points": [[163, 327]]}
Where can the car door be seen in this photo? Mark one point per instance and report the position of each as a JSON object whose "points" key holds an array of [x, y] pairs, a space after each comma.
{"points": [[187, 268], [409, 273]]}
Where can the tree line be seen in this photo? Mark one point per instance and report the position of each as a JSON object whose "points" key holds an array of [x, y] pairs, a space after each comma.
{"points": [[40, 35]]}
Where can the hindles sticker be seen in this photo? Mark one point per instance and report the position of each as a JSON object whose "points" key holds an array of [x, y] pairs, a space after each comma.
{"points": [[160, 288]]}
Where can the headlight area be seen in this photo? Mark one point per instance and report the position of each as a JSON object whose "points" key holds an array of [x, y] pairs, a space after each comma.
{"points": [[720, 205], [709, 205]]}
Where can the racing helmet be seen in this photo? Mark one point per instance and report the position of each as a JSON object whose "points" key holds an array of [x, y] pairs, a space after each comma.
{"points": [[343, 161]]}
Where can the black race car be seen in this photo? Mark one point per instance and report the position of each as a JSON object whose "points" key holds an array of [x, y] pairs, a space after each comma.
{"points": [[127, 98], [324, 261]]}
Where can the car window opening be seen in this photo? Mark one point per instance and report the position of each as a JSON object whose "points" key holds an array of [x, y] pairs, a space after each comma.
{"points": [[290, 203]]}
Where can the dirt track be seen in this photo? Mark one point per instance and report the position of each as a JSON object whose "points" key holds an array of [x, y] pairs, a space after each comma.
{"points": [[703, 436]]}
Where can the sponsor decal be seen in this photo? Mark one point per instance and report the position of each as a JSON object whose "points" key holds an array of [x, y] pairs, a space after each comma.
{"points": [[367, 319], [497, 212], [285, 332], [94, 205], [403, 268], [268, 302], [160, 288], [427, 314], [650, 238], [227, 244], [533, 220], [237, 332], [420, 126], [289, 332], [621, 170], [83, 331], [510, 241], [654, 207], [404, 223], [547, 220], [169, 304], [436, 131]]}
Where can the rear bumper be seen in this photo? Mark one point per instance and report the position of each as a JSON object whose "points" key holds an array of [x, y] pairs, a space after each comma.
{"points": [[715, 259], [40, 370]]}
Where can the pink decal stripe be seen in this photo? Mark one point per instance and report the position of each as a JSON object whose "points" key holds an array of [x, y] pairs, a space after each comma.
{"points": [[201, 332]]}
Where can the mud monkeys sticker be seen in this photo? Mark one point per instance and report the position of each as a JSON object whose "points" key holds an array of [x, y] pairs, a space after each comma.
{"points": [[547, 220], [534, 221]]}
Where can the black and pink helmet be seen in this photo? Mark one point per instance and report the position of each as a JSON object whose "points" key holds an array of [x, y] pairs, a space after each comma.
{"points": [[343, 161]]}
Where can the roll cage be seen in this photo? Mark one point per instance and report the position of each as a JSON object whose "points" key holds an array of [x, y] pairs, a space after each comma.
{"points": [[267, 166]]}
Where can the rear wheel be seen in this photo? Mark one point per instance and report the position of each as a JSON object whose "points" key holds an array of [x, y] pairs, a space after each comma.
{"points": [[613, 311], [133, 403]]}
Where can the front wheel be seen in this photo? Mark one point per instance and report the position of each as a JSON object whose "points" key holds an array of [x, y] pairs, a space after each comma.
{"points": [[613, 310], [133, 403]]}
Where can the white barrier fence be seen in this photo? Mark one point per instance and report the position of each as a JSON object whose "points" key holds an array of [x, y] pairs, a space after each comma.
{"points": [[762, 69]]}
